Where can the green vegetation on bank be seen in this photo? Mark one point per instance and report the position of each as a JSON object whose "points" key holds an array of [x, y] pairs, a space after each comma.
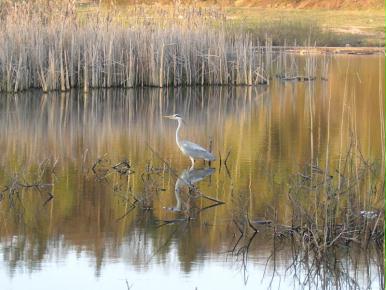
{"points": [[323, 27]]}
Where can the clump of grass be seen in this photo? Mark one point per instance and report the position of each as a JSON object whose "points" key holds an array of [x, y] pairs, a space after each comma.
{"points": [[338, 208], [22, 181], [335, 214]]}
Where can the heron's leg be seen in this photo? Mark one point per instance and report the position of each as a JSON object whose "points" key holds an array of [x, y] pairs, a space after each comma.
{"points": [[191, 159]]}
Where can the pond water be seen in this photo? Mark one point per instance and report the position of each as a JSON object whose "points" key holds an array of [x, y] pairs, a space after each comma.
{"points": [[135, 226]]}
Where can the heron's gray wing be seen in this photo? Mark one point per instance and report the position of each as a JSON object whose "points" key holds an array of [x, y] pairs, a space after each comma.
{"points": [[196, 151]]}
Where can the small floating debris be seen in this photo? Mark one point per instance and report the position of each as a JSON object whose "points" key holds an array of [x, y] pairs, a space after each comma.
{"points": [[368, 214], [102, 168], [261, 222], [296, 78], [123, 168], [172, 209]]}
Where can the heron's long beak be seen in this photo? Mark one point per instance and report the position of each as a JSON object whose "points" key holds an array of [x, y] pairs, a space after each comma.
{"points": [[169, 117]]}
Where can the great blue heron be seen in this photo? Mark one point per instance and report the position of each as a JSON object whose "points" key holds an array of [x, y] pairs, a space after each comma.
{"points": [[190, 149]]}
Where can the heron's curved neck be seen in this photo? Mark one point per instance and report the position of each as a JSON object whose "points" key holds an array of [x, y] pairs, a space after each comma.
{"points": [[178, 132]]}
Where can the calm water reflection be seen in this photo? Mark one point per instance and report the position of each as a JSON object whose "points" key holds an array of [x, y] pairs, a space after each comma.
{"points": [[89, 235]]}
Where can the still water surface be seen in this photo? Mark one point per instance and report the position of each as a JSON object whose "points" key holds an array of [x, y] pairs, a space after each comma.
{"points": [[90, 236]]}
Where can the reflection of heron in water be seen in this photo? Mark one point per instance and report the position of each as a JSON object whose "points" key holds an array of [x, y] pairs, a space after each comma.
{"points": [[190, 149], [186, 181]]}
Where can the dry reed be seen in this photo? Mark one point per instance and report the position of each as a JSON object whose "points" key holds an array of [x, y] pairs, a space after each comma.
{"points": [[59, 49]]}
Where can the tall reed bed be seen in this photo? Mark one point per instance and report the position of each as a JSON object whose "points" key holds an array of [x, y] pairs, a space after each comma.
{"points": [[56, 47], [102, 50]]}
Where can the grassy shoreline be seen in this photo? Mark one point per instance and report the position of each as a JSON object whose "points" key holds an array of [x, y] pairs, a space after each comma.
{"points": [[327, 27], [360, 28]]}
